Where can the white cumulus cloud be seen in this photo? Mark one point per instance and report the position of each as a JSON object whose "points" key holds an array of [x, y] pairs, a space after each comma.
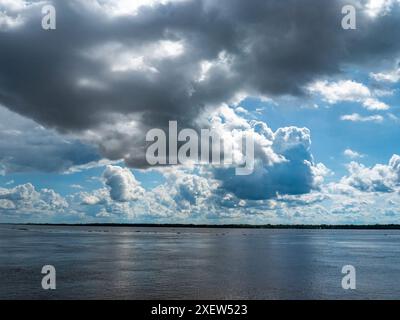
{"points": [[352, 154], [379, 178], [122, 183], [347, 91]]}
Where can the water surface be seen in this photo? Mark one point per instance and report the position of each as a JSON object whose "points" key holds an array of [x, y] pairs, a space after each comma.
{"points": [[190, 263]]}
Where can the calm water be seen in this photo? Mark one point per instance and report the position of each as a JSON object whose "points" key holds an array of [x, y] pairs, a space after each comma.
{"points": [[168, 263]]}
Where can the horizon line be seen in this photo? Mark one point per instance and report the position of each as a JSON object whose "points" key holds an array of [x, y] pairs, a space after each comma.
{"points": [[227, 226]]}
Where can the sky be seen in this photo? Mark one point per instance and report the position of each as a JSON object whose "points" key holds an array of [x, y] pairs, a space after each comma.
{"points": [[321, 102]]}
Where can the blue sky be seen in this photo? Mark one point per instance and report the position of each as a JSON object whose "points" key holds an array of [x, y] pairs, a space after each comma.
{"points": [[323, 105]]}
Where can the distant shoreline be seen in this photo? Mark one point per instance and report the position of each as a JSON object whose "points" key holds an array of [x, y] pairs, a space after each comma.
{"points": [[220, 226]]}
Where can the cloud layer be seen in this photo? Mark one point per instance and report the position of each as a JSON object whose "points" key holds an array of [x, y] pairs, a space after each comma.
{"points": [[83, 96], [109, 72]]}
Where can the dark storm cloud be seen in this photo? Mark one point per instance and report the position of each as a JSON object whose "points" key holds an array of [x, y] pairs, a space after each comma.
{"points": [[63, 78], [26, 146]]}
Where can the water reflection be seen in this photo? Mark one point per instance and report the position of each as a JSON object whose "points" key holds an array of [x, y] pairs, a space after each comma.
{"points": [[168, 263]]}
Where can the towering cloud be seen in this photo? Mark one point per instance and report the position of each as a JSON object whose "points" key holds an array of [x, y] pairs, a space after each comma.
{"points": [[122, 183]]}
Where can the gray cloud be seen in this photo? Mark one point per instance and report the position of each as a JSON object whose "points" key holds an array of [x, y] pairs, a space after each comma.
{"points": [[95, 71], [27, 146]]}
